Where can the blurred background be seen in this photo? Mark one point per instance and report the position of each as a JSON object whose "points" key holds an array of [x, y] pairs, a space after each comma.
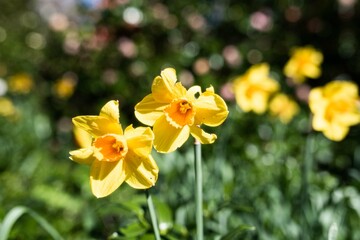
{"points": [[263, 179]]}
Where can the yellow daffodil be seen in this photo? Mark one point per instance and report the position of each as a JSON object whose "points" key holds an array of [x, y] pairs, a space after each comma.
{"points": [[175, 112], [253, 89], [116, 156], [283, 107], [21, 83], [335, 107], [304, 62], [7, 108]]}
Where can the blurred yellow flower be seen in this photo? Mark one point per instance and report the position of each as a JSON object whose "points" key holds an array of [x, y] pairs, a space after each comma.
{"points": [[335, 107], [116, 156], [304, 62], [253, 89], [64, 87], [21, 83], [7, 108], [283, 107], [175, 112]]}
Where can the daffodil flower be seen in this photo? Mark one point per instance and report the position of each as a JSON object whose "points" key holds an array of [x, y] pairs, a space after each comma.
{"points": [[21, 83], [116, 156], [335, 108], [283, 107], [304, 62], [254, 88], [175, 112]]}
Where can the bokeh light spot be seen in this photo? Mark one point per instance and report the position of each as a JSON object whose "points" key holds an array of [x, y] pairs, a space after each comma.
{"points": [[186, 78], [35, 40], [201, 66], [216, 61], [3, 87], [254, 56], [232, 56], [133, 15]]}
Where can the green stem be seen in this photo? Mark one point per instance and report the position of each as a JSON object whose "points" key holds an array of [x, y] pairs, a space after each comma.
{"points": [[306, 172], [198, 192], [152, 214]]}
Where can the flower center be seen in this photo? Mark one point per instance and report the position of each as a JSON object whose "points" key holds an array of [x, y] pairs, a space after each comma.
{"points": [[110, 147], [338, 108], [180, 113]]}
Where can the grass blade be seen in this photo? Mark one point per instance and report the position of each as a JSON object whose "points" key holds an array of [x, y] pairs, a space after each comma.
{"points": [[15, 213]]}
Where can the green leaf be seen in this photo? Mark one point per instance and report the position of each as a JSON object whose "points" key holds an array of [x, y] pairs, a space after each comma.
{"points": [[238, 232], [164, 214], [148, 237], [134, 229], [15, 213]]}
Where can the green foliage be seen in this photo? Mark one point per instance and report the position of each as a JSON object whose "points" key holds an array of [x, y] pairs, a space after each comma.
{"points": [[259, 183], [16, 213]]}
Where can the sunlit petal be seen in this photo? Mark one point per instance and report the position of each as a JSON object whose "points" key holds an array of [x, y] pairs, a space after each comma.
{"points": [[82, 137], [142, 171], [139, 140], [106, 177], [163, 86], [111, 110], [167, 137], [319, 123], [316, 100], [83, 155], [336, 132], [312, 71], [259, 102], [202, 136], [148, 110], [194, 91], [97, 125], [348, 118], [211, 109]]}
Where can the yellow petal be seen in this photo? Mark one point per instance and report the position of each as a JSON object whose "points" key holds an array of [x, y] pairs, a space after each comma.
{"points": [[111, 110], [319, 122], [312, 71], [211, 109], [82, 137], [106, 177], [193, 91], [97, 125], [202, 136], [317, 102], [259, 102], [336, 132], [167, 137], [148, 110], [139, 140], [169, 75], [341, 89], [142, 171], [83, 155], [347, 118], [165, 88]]}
